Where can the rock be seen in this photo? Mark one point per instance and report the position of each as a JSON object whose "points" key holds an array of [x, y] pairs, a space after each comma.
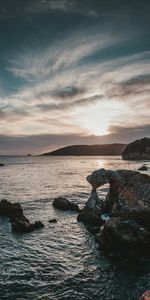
{"points": [[10, 210], [91, 213], [143, 168], [125, 236], [1, 165], [128, 189], [128, 205], [145, 296], [90, 217], [139, 149], [64, 204], [52, 221], [18, 221], [21, 225]]}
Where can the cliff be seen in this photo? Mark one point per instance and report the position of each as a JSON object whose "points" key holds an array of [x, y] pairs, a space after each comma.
{"points": [[139, 149]]}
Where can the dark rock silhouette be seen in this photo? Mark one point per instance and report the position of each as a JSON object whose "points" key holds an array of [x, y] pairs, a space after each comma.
{"points": [[88, 150], [143, 168], [91, 213], [18, 221], [137, 150], [128, 206], [1, 165], [125, 236], [64, 204], [52, 221]]}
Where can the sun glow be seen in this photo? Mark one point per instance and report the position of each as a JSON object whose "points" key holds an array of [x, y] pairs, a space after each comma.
{"points": [[98, 119]]}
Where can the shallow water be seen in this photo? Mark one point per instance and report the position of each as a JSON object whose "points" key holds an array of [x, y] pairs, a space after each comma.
{"points": [[62, 260]]}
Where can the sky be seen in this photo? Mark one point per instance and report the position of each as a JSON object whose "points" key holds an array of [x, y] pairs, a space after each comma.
{"points": [[73, 72]]}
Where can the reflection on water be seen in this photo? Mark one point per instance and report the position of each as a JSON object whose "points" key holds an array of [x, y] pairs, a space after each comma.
{"points": [[63, 260]]}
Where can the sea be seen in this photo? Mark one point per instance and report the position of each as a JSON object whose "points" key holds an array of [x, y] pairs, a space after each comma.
{"points": [[61, 261]]}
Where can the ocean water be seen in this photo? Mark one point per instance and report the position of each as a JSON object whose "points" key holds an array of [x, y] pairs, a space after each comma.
{"points": [[62, 261]]}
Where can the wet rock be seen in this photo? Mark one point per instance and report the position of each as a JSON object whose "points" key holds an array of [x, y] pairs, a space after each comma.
{"points": [[52, 221], [88, 216], [139, 149], [145, 296], [1, 165], [91, 214], [18, 221], [22, 225], [143, 168], [10, 210], [128, 189], [64, 204], [125, 236]]}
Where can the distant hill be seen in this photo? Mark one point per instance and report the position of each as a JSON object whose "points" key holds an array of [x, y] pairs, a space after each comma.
{"points": [[89, 150], [139, 149]]}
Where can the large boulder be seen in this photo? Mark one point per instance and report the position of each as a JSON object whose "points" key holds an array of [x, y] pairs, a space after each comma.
{"points": [[126, 236], [128, 206], [128, 190], [64, 204], [139, 149]]}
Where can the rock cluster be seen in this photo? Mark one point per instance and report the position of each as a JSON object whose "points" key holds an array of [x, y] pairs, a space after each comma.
{"points": [[18, 221], [137, 150], [128, 206]]}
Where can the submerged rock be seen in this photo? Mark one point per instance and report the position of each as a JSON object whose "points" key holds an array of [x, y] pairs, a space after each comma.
{"points": [[126, 236], [139, 149], [64, 204], [52, 221], [1, 165], [145, 296], [18, 221]]}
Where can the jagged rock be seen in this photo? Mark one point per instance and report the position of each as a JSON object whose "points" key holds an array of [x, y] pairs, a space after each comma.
{"points": [[126, 236], [10, 210], [128, 189], [90, 217], [1, 165], [143, 168], [91, 213], [18, 221], [128, 205], [139, 149], [64, 204], [145, 296], [52, 221]]}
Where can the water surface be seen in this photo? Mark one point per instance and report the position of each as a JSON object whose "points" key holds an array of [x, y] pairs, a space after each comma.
{"points": [[62, 261]]}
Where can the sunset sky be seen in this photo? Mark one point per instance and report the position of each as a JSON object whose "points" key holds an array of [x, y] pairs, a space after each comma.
{"points": [[73, 72]]}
